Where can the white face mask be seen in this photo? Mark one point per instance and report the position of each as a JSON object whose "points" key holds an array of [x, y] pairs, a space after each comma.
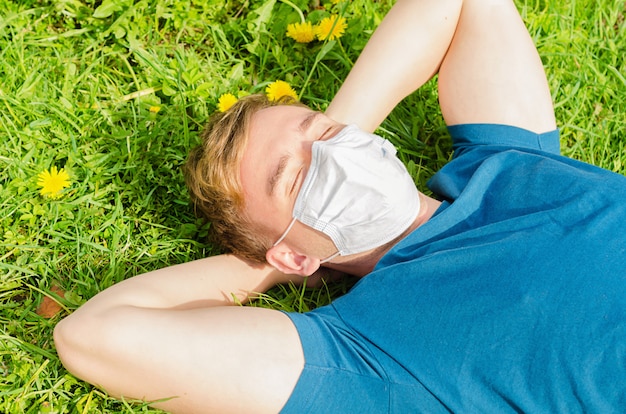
{"points": [[356, 191]]}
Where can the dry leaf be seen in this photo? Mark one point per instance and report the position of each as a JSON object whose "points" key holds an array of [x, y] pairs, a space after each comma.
{"points": [[48, 307]]}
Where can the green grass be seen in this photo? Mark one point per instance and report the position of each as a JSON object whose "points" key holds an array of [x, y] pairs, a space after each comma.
{"points": [[78, 79]]}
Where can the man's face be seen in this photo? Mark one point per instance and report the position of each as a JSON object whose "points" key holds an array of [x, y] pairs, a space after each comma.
{"points": [[274, 165]]}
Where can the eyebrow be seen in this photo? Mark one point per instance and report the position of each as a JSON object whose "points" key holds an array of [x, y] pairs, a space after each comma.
{"points": [[282, 162], [308, 120], [275, 178]]}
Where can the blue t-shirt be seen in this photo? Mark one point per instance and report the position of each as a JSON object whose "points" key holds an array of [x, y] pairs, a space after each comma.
{"points": [[511, 298]]}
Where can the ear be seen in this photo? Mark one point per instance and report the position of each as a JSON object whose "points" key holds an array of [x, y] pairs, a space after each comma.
{"points": [[290, 262]]}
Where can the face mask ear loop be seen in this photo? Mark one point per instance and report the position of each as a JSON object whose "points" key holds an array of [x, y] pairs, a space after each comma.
{"points": [[329, 258], [285, 233]]}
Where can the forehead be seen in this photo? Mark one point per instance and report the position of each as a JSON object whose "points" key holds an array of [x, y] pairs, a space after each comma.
{"points": [[272, 129], [268, 127], [273, 132]]}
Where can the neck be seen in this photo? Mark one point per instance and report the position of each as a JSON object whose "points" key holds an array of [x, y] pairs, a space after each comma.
{"points": [[362, 264]]}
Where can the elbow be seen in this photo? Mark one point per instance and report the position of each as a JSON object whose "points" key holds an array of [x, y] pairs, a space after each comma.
{"points": [[70, 343], [80, 341], [91, 345]]}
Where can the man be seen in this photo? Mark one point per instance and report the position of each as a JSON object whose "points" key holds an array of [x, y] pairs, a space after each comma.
{"points": [[507, 295]]}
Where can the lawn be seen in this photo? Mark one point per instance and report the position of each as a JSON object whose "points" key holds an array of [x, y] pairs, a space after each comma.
{"points": [[114, 94]]}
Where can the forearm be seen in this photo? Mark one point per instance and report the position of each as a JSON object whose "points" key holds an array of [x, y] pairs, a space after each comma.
{"points": [[404, 52], [213, 281]]}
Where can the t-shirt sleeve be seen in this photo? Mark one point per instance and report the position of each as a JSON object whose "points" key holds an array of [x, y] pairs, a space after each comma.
{"points": [[474, 143], [466, 136]]}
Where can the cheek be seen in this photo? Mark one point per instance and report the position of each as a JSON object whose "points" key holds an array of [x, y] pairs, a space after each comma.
{"points": [[267, 217], [310, 241]]}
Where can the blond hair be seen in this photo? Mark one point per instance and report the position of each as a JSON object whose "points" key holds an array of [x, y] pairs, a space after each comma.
{"points": [[212, 176]]}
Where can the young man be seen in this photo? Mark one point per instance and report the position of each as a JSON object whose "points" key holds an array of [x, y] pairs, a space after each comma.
{"points": [[507, 295]]}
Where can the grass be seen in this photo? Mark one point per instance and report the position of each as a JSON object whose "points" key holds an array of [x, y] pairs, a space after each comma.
{"points": [[80, 84]]}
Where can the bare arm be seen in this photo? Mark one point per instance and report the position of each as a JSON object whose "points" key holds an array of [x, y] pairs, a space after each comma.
{"points": [[404, 52], [489, 69], [492, 72], [169, 334], [212, 281]]}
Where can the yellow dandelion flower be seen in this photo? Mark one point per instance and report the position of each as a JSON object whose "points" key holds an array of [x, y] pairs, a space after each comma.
{"points": [[53, 181], [154, 109], [301, 32], [279, 89], [226, 101], [331, 28]]}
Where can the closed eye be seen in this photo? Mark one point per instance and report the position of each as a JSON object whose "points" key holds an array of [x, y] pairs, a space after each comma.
{"points": [[331, 131], [324, 135], [295, 181]]}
